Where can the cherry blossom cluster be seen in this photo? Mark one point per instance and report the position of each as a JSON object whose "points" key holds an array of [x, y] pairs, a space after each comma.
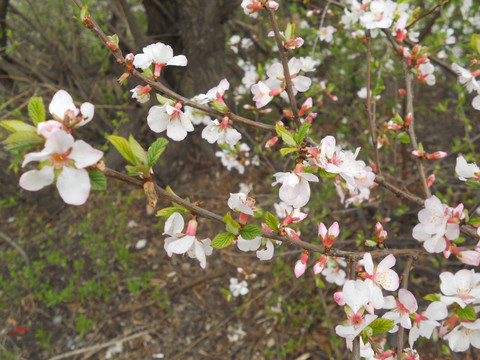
{"points": [[63, 159], [357, 175]]}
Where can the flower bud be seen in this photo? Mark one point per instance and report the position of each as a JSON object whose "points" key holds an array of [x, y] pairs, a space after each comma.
{"points": [[271, 142], [320, 265], [469, 257], [301, 265], [338, 297], [437, 155]]}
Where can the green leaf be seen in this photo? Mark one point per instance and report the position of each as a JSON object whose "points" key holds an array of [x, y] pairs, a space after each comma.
{"points": [[370, 243], [167, 212], [123, 147], [17, 125], [97, 180], [432, 297], [467, 313], [380, 326], [302, 132], [132, 170], [163, 100], [219, 106], [137, 150], [289, 31], [27, 138], [473, 184], [403, 137], [474, 221], [231, 225], [397, 119], [250, 232], [475, 42], [36, 110], [325, 174], [222, 240], [285, 135], [155, 150], [271, 221], [285, 151]]}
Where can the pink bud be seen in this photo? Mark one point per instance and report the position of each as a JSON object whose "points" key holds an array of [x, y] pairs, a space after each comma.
{"points": [[306, 107], [402, 92], [320, 265], [301, 265], [334, 230], [431, 180], [378, 227], [437, 155], [418, 153], [271, 142], [338, 297], [272, 5], [112, 46], [192, 228], [275, 92], [288, 114], [129, 60], [322, 231], [408, 119]]}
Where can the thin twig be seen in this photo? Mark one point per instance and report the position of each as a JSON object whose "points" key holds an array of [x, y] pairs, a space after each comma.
{"points": [[16, 246], [102, 346], [286, 71], [411, 128]]}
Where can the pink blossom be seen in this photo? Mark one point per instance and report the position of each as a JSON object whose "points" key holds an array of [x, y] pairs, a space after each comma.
{"points": [[179, 243], [159, 54], [434, 226], [64, 159], [262, 94], [221, 133], [170, 118], [381, 275], [425, 322], [462, 288], [405, 305], [464, 335], [295, 189], [64, 110]]}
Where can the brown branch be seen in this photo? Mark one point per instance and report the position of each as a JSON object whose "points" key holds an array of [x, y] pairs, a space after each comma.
{"points": [[397, 191], [411, 128], [95, 28], [286, 71]]}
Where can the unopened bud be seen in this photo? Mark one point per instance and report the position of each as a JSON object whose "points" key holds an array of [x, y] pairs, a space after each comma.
{"points": [[301, 265], [402, 92], [437, 155], [320, 265], [112, 46], [271, 142], [431, 180], [408, 119], [288, 114]]}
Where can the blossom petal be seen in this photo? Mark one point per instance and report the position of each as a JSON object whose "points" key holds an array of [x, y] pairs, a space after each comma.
{"points": [[35, 180], [174, 224], [179, 60], [181, 245], [61, 102], [73, 185], [84, 154]]}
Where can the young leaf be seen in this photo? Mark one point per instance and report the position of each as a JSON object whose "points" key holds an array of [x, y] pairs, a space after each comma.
{"points": [[432, 297], [36, 110], [380, 326], [137, 150], [17, 125], [473, 184], [324, 174], [302, 132], [271, 221], [403, 137], [231, 225], [155, 150], [285, 151], [222, 240], [26, 138], [474, 221], [250, 232], [123, 147], [166, 212], [97, 180], [467, 313], [285, 135]]}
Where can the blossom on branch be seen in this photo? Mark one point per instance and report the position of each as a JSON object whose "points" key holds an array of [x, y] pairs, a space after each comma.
{"points": [[221, 133], [295, 189], [65, 160], [179, 243], [64, 110], [170, 118], [159, 54]]}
